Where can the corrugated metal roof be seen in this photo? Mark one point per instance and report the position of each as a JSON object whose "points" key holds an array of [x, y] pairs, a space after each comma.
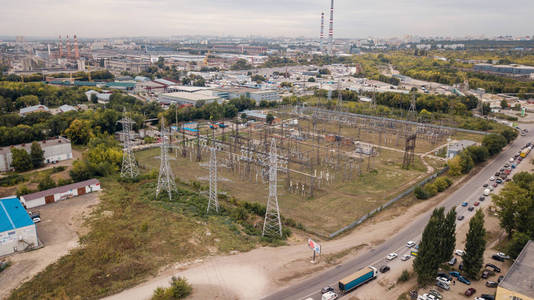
{"points": [[13, 215], [60, 189]]}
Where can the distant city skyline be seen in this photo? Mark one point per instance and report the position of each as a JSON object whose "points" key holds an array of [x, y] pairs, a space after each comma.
{"points": [[275, 18]]}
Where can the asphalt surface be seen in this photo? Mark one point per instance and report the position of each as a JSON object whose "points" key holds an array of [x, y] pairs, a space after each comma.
{"points": [[470, 192]]}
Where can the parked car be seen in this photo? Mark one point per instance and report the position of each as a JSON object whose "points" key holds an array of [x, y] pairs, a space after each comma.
{"points": [[470, 292], [392, 256], [410, 244], [494, 267], [498, 180], [497, 174], [500, 279], [327, 289], [485, 185], [452, 262], [435, 294], [405, 257], [491, 284], [502, 255], [384, 269], [471, 208], [487, 297], [494, 185], [443, 279], [454, 273], [329, 296], [36, 220], [476, 203], [443, 285], [460, 218], [445, 275], [492, 178], [485, 274], [481, 198], [464, 204], [464, 280], [459, 252], [497, 257]]}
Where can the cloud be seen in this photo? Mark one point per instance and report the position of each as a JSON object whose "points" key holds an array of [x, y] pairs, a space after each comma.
{"points": [[353, 18]]}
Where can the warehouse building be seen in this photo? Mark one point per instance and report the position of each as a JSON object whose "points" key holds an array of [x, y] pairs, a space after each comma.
{"points": [[54, 150], [518, 283], [60, 193], [518, 70], [17, 230], [182, 98]]}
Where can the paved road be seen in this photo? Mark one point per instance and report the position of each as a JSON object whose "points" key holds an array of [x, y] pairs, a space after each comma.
{"points": [[470, 192]]}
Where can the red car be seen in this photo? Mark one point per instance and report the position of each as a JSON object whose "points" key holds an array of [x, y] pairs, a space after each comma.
{"points": [[470, 292], [477, 203]]}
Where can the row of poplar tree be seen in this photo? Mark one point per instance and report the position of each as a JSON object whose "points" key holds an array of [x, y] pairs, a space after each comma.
{"points": [[439, 241]]}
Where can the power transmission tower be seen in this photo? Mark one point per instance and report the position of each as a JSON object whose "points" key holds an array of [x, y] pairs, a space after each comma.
{"points": [[412, 112], [339, 97], [373, 100], [129, 165], [213, 201], [166, 178], [272, 225]]}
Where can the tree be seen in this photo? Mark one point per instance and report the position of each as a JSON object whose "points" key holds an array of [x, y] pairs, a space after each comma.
{"points": [[494, 143], [179, 289], [79, 132], [466, 162], [486, 109], [509, 134], [504, 104], [20, 160], [427, 260], [37, 155], [513, 206], [94, 98], [269, 119], [46, 183], [24, 101], [479, 154], [475, 245], [448, 235]]}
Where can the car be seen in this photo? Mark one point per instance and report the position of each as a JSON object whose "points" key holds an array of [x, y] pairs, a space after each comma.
{"points": [[476, 203], [471, 208], [485, 274], [479, 298], [464, 280], [36, 220], [384, 269], [491, 284], [494, 267], [454, 273], [508, 179], [502, 255], [506, 165], [500, 279], [460, 218], [498, 180], [487, 297], [470, 292], [491, 188], [392, 256], [485, 185], [327, 289], [453, 261], [406, 257], [445, 275], [443, 279], [435, 294], [501, 170], [459, 252], [410, 244], [443, 285], [429, 297], [464, 204], [512, 159], [481, 198], [497, 174], [497, 257], [492, 178], [494, 185], [329, 296]]}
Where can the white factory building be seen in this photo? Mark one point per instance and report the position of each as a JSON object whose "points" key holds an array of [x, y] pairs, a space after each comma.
{"points": [[55, 150], [17, 230], [184, 98], [60, 193]]}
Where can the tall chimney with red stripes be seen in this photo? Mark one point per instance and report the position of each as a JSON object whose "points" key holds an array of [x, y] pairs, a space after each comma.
{"points": [[76, 51], [331, 30], [321, 47]]}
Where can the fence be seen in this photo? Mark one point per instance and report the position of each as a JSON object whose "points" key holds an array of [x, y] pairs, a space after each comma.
{"points": [[397, 198]]}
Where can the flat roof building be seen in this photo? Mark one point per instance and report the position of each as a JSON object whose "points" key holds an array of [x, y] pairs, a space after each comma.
{"points": [[60, 193], [182, 98], [34, 108], [17, 230], [54, 150], [518, 283]]}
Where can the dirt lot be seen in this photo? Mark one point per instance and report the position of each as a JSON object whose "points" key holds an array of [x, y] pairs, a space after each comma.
{"points": [[61, 225]]}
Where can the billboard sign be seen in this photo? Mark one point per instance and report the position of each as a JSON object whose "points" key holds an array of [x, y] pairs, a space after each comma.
{"points": [[314, 246]]}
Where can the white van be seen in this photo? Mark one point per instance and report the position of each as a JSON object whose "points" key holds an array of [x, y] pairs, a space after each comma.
{"points": [[487, 192]]}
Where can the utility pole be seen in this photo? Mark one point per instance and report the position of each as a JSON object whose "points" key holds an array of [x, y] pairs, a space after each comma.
{"points": [[129, 165], [166, 178], [272, 225]]}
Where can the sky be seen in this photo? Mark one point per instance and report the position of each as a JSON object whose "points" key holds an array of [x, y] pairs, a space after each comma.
{"points": [[270, 18]]}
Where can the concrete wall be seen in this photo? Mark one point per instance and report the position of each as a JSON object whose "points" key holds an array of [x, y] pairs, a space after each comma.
{"points": [[18, 239], [504, 294]]}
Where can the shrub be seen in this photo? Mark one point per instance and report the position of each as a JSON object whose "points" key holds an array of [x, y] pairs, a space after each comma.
{"points": [[46, 183], [405, 276], [11, 180], [442, 183], [179, 289], [494, 143], [430, 190], [420, 193]]}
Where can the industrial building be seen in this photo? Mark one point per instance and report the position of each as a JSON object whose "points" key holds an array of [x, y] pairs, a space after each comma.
{"points": [[126, 65], [55, 150], [60, 193], [518, 70], [17, 230], [182, 98], [32, 109], [458, 146], [518, 283]]}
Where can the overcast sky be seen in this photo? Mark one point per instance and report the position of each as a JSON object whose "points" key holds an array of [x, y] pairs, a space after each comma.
{"points": [[291, 18]]}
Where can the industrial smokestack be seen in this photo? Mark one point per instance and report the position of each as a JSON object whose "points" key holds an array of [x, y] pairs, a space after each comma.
{"points": [[68, 47], [322, 33], [60, 46], [76, 51], [331, 30]]}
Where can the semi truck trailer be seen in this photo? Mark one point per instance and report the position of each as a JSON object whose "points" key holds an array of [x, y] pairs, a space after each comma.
{"points": [[355, 280]]}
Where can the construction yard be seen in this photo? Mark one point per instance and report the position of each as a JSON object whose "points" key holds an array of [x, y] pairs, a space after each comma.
{"points": [[332, 170]]}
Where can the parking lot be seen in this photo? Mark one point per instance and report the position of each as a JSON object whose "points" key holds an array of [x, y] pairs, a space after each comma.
{"points": [[61, 225]]}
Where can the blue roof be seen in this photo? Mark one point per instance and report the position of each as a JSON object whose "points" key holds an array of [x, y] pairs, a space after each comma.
{"points": [[13, 215]]}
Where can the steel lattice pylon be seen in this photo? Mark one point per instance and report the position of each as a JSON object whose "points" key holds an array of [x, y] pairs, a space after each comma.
{"points": [[129, 164], [213, 201], [412, 112], [166, 178], [272, 225]]}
